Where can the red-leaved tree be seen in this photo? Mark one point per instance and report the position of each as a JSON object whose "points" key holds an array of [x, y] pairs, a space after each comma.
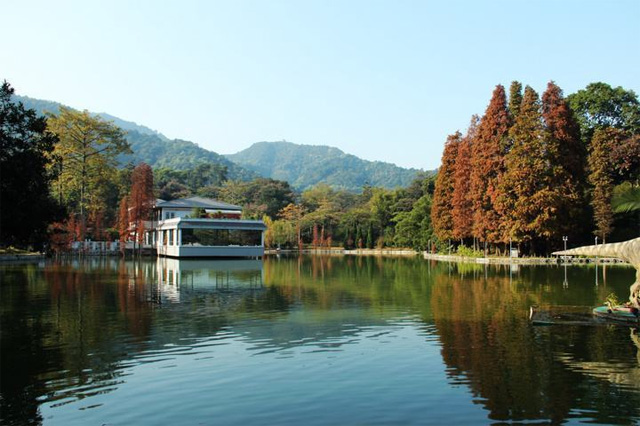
{"points": [[441, 207], [141, 198], [488, 152], [567, 164], [461, 201]]}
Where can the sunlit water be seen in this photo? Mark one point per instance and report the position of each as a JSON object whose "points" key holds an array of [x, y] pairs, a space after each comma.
{"points": [[310, 340]]}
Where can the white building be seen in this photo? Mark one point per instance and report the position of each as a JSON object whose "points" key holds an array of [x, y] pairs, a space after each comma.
{"points": [[180, 230]]}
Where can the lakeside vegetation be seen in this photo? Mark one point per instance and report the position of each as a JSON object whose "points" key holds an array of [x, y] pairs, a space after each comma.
{"points": [[533, 170], [529, 170]]}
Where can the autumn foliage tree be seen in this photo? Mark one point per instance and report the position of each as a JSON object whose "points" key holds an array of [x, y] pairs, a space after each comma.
{"points": [[567, 159], [123, 220], [528, 197], [461, 201], [520, 172], [491, 144], [141, 198], [442, 207]]}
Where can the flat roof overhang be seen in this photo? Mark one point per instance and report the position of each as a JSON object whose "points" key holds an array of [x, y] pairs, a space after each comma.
{"points": [[182, 223]]}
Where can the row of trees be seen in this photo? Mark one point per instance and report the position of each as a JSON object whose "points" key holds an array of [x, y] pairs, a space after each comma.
{"points": [[533, 170], [377, 217], [530, 170]]}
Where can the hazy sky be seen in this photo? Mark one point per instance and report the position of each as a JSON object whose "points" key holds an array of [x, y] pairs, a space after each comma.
{"points": [[384, 80]]}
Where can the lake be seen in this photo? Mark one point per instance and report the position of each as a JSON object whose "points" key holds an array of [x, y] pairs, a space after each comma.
{"points": [[311, 340]]}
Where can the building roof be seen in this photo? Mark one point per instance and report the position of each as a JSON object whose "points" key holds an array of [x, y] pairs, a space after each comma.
{"points": [[196, 202], [212, 224]]}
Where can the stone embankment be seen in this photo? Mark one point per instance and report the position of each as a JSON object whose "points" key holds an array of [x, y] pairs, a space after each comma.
{"points": [[341, 252], [521, 260], [453, 258], [35, 257]]}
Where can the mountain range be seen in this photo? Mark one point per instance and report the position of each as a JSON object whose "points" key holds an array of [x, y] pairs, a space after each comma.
{"points": [[303, 166]]}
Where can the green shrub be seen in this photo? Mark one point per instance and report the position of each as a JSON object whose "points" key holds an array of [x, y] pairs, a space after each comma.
{"points": [[468, 252]]}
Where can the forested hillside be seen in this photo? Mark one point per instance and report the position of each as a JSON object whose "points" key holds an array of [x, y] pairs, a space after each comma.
{"points": [[178, 154], [152, 147], [42, 107], [304, 166]]}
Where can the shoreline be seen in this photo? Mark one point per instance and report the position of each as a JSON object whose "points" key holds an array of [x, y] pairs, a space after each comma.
{"points": [[36, 257], [524, 260], [10, 258], [455, 258]]}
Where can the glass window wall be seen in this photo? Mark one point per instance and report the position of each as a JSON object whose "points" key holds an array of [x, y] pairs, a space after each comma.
{"points": [[221, 237]]}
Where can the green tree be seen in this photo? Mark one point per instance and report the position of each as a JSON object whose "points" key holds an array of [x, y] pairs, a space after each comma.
{"points": [[599, 106], [413, 228], [292, 214], [626, 198], [283, 233], [601, 180], [172, 190], [382, 205], [87, 151], [515, 99], [317, 195], [25, 155], [206, 174], [259, 197]]}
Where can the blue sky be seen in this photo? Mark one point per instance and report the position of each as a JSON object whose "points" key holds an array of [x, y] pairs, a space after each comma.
{"points": [[384, 80]]}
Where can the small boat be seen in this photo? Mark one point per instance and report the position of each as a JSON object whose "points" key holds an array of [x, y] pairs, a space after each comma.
{"points": [[567, 315], [582, 315], [620, 314]]}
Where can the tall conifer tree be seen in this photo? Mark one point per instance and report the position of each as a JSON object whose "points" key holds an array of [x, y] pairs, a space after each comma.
{"points": [[567, 157], [487, 166], [462, 203], [141, 198], [515, 99], [528, 194], [442, 196], [601, 179]]}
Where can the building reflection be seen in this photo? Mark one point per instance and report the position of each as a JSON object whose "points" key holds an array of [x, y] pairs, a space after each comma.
{"points": [[179, 278]]}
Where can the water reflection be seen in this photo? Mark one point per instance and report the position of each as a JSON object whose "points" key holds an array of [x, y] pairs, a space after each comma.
{"points": [[179, 277], [512, 367], [84, 329]]}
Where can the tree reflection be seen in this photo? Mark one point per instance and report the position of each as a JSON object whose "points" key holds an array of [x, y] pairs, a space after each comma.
{"points": [[71, 330], [519, 371]]}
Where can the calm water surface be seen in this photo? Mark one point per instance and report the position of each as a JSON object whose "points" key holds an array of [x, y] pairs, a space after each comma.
{"points": [[309, 340]]}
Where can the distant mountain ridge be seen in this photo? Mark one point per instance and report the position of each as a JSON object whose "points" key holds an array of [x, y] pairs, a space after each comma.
{"points": [[42, 107], [304, 166], [153, 147]]}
